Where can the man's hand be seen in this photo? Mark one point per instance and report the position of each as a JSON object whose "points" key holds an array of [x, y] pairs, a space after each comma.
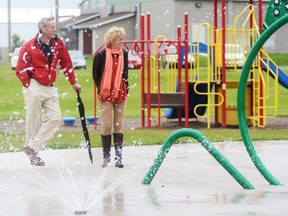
{"points": [[77, 87]]}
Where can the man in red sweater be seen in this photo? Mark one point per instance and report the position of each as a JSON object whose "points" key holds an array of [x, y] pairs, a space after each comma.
{"points": [[37, 69]]}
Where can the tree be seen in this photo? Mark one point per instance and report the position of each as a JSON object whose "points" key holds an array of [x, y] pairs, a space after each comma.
{"points": [[16, 42]]}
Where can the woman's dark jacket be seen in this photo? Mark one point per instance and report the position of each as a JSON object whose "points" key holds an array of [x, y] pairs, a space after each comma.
{"points": [[99, 64]]}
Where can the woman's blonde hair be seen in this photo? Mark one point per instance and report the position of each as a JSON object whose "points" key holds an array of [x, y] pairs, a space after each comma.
{"points": [[113, 33]]}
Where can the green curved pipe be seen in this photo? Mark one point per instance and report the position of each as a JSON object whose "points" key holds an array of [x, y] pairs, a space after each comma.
{"points": [[241, 98], [206, 144]]}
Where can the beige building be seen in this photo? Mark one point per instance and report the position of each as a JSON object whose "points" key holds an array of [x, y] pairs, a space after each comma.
{"points": [[97, 16]]}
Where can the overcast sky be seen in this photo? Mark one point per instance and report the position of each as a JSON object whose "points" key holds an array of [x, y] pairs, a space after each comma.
{"points": [[33, 10]]}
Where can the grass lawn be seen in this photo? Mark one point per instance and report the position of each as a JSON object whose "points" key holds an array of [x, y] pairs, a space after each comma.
{"points": [[12, 104], [12, 108]]}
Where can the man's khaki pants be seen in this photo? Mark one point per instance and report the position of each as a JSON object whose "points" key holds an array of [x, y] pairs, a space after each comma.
{"points": [[43, 114]]}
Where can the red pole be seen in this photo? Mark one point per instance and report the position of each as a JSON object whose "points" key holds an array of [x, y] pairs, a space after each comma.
{"points": [[223, 63], [260, 15], [186, 70], [148, 72], [142, 27]]}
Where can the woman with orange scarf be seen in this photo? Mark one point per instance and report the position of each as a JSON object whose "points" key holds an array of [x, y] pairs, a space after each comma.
{"points": [[110, 74]]}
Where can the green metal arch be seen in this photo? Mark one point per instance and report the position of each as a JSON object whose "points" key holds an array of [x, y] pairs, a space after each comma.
{"points": [[206, 144], [266, 34]]}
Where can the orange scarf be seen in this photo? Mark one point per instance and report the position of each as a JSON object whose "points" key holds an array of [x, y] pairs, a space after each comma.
{"points": [[105, 88]]}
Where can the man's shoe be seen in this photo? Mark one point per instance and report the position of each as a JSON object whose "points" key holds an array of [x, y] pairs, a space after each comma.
{"points": [[34, 158], [28, 151], [37, 161]]}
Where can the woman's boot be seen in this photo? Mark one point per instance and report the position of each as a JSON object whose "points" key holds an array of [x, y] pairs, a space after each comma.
{"points": [[118, 141], [106, 144]]}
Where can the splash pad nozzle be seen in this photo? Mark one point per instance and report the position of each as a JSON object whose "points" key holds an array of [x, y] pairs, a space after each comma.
{"points": [[80, 212]]}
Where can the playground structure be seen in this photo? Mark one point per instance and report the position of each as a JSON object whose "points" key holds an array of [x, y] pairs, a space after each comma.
{"points": [[277, 16], [204, 88]]}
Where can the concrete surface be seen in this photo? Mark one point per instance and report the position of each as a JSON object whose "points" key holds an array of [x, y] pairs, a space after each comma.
{"points": [[189, 182]]}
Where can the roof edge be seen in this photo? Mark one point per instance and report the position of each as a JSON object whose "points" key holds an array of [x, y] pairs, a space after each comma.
{"points": [[94, 26]]}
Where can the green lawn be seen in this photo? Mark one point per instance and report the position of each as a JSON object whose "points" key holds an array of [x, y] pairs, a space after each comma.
{"points": [[12, 104]]}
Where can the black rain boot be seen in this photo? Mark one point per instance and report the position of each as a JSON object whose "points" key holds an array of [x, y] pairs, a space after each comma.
{"points": [[118, 141], [106, 144]]}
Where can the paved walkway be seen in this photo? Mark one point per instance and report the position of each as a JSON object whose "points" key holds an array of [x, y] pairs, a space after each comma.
{"points": [[189, 182]]}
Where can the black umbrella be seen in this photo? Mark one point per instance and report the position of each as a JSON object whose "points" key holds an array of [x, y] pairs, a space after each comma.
{"points": [[84, 126]]}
